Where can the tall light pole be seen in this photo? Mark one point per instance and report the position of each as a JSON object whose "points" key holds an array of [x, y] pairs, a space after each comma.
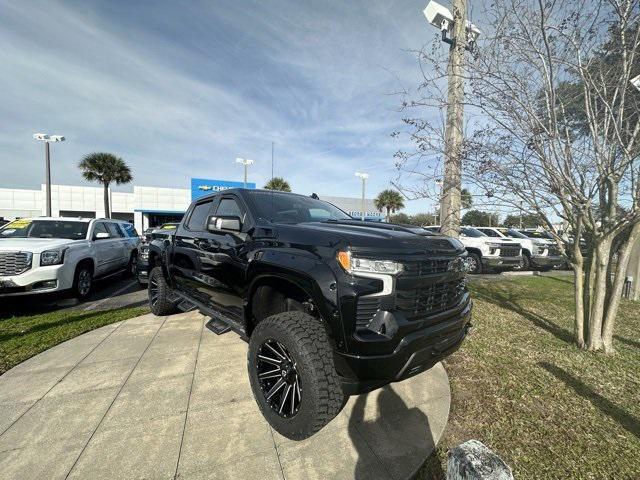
{"points": [[364, 177], [463, 36], [246, 162], [48, 139]]}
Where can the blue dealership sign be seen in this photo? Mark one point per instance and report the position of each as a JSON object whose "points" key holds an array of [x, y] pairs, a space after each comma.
{"points": [[203, 186]]}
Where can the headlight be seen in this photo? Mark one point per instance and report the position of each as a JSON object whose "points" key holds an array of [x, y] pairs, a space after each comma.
{"points": [[355, 265], [51, 257]]}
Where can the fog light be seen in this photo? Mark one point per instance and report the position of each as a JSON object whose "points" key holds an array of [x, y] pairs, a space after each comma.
{"points": [[46, 284]]}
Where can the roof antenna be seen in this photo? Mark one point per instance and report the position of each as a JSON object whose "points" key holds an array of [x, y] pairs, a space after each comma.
{"points": [[315, 196]]}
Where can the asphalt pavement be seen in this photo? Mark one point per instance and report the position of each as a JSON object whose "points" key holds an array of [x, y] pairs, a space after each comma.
{"points": [[107, 294]]}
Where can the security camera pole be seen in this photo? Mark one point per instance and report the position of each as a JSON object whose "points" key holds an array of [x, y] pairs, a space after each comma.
{"points": [[246, 162], [47, 139], [461, 37], [364, 177]]}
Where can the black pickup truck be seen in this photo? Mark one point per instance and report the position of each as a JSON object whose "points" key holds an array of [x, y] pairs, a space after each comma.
{"points": [[330, 306]]}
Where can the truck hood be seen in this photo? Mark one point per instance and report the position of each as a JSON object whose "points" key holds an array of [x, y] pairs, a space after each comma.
{"points": [[34, 245], [365, 237]]}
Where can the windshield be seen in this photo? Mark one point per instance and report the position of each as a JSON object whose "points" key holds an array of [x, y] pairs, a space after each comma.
{"points": [[287, 208], [489, 232], [25, 228], [536, 234], [471, 232], [515, 234]]}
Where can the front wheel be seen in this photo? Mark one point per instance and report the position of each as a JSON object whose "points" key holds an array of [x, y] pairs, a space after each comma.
{"points": [[159, 302], [525, 262], [292, 374], [474, 265], [83, 281]]}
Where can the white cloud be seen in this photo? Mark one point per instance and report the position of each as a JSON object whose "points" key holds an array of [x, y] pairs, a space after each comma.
{"points": [[182, 89]]}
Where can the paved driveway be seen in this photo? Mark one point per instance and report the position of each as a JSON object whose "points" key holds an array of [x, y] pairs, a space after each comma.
{"points": [[165, 398]]}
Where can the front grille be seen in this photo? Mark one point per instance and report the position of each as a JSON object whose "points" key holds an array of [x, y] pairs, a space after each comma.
{"points": [[425, 267], [421, 302], [14, 263], [554, 251], [509, 251], [367, 308]]}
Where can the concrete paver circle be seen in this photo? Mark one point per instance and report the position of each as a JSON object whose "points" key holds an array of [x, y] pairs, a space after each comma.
{"points": [[165, 398]]}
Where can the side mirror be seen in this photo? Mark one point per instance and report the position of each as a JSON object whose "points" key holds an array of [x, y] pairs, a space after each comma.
{"points": [[224, 222], [101, 236]]}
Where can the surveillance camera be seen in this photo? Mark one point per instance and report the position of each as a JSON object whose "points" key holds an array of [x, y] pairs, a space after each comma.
{"points": [[438, 15]]}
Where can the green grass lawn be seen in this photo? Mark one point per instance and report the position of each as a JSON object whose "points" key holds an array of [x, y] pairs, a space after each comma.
{"points": [[22, 337], [520, 386]]}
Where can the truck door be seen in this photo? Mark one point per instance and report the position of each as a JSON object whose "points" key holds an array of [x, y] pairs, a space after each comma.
{"points": [[187, 255], [225, 263], [106, 249]]}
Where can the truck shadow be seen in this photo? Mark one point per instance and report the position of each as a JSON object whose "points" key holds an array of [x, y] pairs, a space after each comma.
{"points": [[606, 406], [393, 440], [504, 301]]}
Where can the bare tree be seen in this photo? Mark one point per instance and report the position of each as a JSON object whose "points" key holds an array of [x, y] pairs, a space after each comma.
{"points": [[552, 129]]}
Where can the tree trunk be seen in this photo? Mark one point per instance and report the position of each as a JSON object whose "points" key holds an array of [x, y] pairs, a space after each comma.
{"points": [[579, 298], [601, 252], [616, 290], [107, 213]]}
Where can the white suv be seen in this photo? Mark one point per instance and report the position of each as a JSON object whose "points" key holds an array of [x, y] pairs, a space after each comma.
{"points": [[538, 250], [42, 255], [486, 253]]}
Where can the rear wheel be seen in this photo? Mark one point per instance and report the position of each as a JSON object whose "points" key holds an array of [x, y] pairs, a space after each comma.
{"points": [[132, 266], [159, 302], [292, 374]]}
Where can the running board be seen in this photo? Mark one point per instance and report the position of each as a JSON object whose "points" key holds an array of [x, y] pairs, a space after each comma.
{"points": [[217, 326], [186, 306], [218, 320]]}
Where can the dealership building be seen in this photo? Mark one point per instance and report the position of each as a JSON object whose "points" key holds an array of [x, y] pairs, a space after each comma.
{"points": [[145, 207]]}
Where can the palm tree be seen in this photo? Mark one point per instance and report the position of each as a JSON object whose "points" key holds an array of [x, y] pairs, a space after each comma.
{"points": [[278, 183], [105, 168], [389, 200]]}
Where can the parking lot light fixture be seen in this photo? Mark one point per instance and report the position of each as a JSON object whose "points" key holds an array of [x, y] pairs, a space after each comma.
{"points": [[246, 162], [46, 138], [364, 177]]}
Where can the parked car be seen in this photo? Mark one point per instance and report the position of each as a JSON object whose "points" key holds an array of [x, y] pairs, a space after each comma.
{"points": [[330, 306], [142, 270], [487, 253], [43, 255], [538, 251]]}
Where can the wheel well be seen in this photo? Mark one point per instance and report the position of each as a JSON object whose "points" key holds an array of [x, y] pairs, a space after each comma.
{"points": [[526, 252], [475, 250], [85, 261], [153, 259], [273, 296]]}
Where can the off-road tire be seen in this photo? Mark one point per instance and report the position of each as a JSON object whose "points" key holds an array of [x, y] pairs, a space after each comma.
{"points": [[306, 341], [477, 270], [162, 305]]}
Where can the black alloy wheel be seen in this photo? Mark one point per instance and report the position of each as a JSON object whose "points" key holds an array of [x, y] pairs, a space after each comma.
{"points": [[279, 378]]}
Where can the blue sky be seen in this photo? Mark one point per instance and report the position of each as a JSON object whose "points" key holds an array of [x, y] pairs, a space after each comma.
{"points": [[179, 89]]}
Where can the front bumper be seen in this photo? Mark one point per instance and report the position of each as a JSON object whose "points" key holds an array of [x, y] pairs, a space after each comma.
{"points": [[142, 268], [546, 261], [501, 262], [416, 352], [37, 280]]}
